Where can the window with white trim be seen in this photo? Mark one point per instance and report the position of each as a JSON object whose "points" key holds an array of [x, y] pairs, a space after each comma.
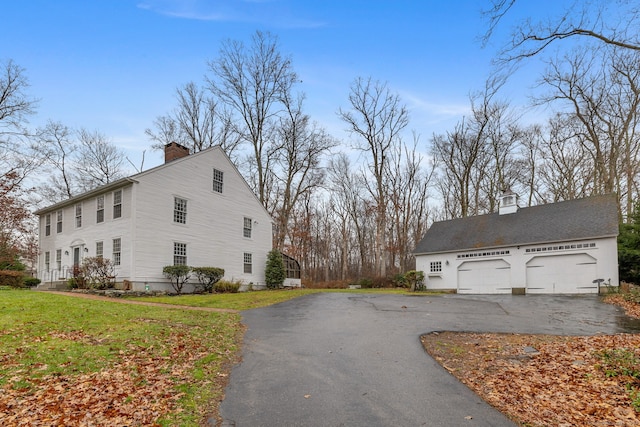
{"points": [[100, 209], [47, 260], [246, 231], [116, 251], [47, 225], [117, 204], [59, 259], [248, 263], [99, 249], [179, 210], [218, 180], [435, 266], [179, 253], [78, 209], [59, 221]]}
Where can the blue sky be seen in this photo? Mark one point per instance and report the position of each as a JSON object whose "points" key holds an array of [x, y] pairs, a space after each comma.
{"points": [[113, 65]]}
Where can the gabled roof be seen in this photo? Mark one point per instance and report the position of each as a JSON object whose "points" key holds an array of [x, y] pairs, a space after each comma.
{"points": [[588, 218], [133, 179]]}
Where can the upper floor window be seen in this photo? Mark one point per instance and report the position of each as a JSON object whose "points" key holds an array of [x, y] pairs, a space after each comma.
{"points": [[435, 266], [47, 225], [218, 180], [117, 204], [247, 227], [78, 208], [179, 210], [100, 209], [116, 251], [179, 253], [59, 221]]}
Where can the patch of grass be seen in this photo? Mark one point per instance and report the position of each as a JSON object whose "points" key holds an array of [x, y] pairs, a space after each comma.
{"points": [[45, 336], [253, 299]]}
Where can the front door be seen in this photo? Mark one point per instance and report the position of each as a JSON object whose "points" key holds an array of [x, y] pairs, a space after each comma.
{"points": [[76, 256]]}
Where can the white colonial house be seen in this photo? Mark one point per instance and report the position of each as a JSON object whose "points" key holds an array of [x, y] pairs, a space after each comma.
{"points": [[560, 248], [194, 209]]}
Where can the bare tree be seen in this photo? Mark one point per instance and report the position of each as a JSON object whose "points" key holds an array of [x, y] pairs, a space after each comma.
{"points": [[252, 82], [613, 23], [198, 122], [600, 89], [17, 157], [376, 117], [98, 161], [407, 208], [298, 162], [56, 145]]}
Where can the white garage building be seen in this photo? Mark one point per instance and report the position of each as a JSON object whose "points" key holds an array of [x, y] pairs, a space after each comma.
{"points": [[561, 248]]}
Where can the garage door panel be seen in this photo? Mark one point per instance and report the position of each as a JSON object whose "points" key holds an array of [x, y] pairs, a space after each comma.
{"points": [[562, 274], [484, 277]]}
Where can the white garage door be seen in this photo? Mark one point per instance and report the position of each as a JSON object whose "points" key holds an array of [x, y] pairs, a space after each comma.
{"points": [[484, 277], [562, 274]]}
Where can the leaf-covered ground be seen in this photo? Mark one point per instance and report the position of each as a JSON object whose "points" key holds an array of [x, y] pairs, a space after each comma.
{"points": [[72, 362], [544, 380]]}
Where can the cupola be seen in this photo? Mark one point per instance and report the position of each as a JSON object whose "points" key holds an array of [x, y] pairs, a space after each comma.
{"points": [[508, 202]]}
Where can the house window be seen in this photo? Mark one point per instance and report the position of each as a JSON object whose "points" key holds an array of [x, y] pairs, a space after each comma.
{"points": [[47, 260], [117, 204], [100, 209], [246, 232], [218, 179], [99, 249], [47, 225], [59, 221], [435, 266], [179, 210], [78, 215], [58, 259], [247, 263], [179, 253], [117, 251]]}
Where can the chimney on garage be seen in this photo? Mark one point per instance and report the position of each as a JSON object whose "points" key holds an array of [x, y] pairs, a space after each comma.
{"points": [[173, 151]]}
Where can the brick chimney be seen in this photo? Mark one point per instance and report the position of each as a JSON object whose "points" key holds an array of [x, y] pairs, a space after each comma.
{"points": [[174, 151]]}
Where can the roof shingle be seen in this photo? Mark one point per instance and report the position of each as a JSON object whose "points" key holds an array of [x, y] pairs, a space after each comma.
{"points": [[587, 218]]}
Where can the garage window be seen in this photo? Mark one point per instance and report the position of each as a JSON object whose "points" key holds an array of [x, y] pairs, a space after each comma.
{"points": [[435, 266]]}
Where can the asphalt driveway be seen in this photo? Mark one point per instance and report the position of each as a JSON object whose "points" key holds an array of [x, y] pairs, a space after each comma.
{"points": [[356, 359]]}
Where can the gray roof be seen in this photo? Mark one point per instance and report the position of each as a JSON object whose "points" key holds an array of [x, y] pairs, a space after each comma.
{"points": [[588, 218]]}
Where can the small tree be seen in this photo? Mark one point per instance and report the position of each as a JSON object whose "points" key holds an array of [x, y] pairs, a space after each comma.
{"points": [[415, 279], [629, 248], [274, 273], [99, 272], [207, 277], [178, 274]]}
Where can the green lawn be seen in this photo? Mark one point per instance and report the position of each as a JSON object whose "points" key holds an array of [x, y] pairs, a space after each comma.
{"points": [[256, 299], [55, 347], [74, 361]]}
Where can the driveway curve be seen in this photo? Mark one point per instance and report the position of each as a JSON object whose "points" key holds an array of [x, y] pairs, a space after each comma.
{"points": [[337, 359]]}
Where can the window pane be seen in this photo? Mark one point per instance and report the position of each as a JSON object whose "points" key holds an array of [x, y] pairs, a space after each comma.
{"points": [[117, 245], [247, 263], [100, 209], [117, 204], [218, 180], [180, 210], [247, 227], [179, 253]]}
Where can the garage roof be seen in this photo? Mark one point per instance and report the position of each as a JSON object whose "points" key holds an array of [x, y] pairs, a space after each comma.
{"points": [[588, 218]]}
